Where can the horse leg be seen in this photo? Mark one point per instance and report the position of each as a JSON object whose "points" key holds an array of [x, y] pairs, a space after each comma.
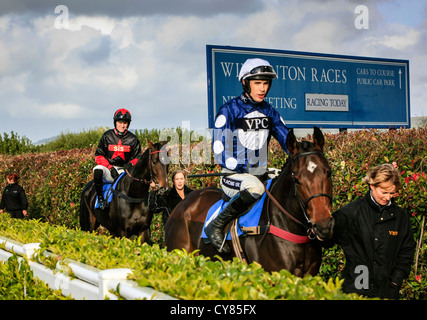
{"points": [[178, 227], [313, 259], [94, 224], [87, 219]]}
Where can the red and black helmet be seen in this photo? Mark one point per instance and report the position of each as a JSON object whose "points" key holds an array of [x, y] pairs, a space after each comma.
{"points": [[123, 115]]}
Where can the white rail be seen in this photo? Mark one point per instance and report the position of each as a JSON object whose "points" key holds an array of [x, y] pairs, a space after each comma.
{"points": [[87, 283]]}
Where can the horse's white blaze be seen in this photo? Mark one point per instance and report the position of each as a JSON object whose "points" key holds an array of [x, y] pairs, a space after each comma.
{"points": [[311, 166]]}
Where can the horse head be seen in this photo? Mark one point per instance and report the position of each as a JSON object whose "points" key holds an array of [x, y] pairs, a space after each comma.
{"points": [[311, 177], [152, 166]]}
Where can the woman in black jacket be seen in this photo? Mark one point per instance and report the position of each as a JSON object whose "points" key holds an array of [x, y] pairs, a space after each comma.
{"points": [[178, 192], [376, 237], [14, 200]]}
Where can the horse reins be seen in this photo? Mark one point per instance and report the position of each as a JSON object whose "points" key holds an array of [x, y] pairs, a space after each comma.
{"points": [[283, 210], [142, 180]]}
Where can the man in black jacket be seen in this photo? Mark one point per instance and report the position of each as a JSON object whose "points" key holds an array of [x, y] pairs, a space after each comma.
{"points": [[376, 237]]}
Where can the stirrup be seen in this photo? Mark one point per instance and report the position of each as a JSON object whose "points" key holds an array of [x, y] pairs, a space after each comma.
{"points": [[102, 203]]}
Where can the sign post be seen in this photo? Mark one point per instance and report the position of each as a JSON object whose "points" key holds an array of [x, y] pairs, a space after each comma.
{"points": [[329, 91]]}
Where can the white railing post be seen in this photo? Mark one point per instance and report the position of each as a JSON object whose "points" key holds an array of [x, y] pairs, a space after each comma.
{"points": [[109, 279]]}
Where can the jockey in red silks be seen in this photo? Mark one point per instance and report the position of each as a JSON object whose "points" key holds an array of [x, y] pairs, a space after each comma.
{"points": [[116, 148]]}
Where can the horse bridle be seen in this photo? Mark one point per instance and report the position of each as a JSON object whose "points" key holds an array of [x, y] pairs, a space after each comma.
{"points": [[152, 178], [303, 204]]}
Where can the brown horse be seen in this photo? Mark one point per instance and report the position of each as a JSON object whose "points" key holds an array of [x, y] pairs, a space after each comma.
{"points": [[128, 213], [303, 190]]}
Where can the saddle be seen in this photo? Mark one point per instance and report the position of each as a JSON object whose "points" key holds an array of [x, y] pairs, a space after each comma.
{"points": [[247, 221], [108, 190]]}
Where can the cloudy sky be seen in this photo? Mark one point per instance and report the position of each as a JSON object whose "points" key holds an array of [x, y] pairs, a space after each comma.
{"points": [[149, 56]]}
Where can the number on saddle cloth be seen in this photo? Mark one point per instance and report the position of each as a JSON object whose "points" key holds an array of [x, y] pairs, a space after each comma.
{"points": [[249, 219], [107, 190]]}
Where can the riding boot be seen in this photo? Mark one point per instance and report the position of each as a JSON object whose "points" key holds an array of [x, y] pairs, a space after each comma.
{"points": [[237, 206], [97, 179]]}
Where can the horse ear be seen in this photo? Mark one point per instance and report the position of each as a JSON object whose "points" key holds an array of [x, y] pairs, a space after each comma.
{"points": [[150, 144], [291, 142], [318, 139]]}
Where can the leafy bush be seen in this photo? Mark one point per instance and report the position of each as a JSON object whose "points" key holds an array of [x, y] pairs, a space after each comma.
{"points": [[178, 273], [69, 141], [13, 144], [17, 282], [84, 140]]}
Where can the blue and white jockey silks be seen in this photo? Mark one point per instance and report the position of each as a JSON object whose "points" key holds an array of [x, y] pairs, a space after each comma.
{"points": [[242, 132]]}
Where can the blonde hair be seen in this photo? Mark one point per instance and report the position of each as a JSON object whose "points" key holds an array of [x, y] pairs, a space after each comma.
{"points": [[383, 173]]}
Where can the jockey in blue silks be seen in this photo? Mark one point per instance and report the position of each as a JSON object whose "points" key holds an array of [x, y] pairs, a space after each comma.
{"points": [[242, 131]]}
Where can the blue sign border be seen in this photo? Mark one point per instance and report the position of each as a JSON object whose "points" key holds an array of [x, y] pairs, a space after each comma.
{"points": [[393, 110]]}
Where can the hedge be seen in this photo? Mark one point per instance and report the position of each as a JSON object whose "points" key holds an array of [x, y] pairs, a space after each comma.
{"points": [[179, 274], [17, 282]]}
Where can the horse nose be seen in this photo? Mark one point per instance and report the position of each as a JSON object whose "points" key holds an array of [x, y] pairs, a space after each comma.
{"points": [[324, 232]]}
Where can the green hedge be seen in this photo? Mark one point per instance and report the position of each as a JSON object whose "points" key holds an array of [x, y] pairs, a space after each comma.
{"points": [[17, 282], [178, 274]]}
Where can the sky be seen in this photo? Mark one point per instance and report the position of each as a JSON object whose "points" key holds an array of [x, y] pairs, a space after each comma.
{"points": [[68, 75]]}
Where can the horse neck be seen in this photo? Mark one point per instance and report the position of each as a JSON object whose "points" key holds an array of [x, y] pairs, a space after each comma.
{"points": [[283, 190], [140, 176]]}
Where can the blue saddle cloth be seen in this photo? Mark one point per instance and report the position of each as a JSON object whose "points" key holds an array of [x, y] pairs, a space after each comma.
{"points": [[250, 219], [107, 190]]}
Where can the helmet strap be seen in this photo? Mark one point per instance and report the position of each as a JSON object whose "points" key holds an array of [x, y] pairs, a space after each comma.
{"points": [[247, 88], [120, 134]]}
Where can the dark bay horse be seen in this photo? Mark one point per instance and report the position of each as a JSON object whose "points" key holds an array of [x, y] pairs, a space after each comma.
{"points": [[128, 215], [303, 189]]}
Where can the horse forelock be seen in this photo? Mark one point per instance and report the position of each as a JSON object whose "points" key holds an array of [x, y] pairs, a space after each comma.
{"points": [[306, 146]]}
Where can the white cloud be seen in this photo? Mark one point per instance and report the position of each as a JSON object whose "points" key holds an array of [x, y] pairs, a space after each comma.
{"points": [[155, 63], [400, 42], [61, 111], [320, 36]]}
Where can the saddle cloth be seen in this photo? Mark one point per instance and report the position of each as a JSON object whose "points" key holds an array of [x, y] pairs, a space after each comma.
{"points": [[107, 190], [249, 219]]}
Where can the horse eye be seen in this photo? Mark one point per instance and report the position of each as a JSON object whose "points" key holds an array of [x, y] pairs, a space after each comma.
{"points": [[296, 181]]}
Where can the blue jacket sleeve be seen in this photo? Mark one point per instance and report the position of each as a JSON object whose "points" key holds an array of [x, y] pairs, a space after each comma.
{"points": [[280, 130]]}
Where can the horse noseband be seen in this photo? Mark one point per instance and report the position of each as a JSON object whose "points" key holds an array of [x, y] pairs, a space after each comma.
{"points": [[316, 196]]}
